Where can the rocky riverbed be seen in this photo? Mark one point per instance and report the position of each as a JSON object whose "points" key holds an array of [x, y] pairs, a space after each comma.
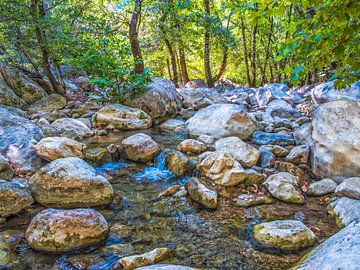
{"points": [[190, 178]]}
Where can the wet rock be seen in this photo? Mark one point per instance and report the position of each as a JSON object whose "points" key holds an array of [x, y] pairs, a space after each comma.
{"points": [[284, 186], [222, 120], [262, 138], [281, 109], [247, 200], [69, 183], [50, 103], [6, 172], [169, 192], [287, 235], [96, 156], [122, 117], [18, 136], [196, 83], [160, 100], [277, 150], [202, 194], [13, 198], [207, 140], [267, 158], [71, 128], [322, 187], [299, 154], [175, 125], [52, 148], [165, 267], [350, 188], [246, 154], [326, 92], [55, 230], [340, 251], [177, 163], [8, 96], [120, 231], [135, 261], [141, 147], [336, 140], [222, 168], [5, 253], [346, 210], [283, 166], [197, 98], [191, 146]]}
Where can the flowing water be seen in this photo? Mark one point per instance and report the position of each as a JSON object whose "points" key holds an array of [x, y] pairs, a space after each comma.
{"points": [[140, 222]]}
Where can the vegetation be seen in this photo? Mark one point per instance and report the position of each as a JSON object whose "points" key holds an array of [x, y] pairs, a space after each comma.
{"points": [[121, 44]]}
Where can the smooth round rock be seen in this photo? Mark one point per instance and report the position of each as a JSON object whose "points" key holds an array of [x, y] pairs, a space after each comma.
{"points": [[192, 146], [141, 147], [322, 187], [56, 230], [287, 235], [165, 267]]}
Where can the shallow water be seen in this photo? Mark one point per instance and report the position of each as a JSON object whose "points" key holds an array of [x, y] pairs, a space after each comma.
{"points": [[220, 239]]}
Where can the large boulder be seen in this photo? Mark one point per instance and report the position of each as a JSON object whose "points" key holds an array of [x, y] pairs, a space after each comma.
{"points": [[18, 136], [8, 97], [197, 98], [322, 187], [196, 83], [326, 92], [346, 210], [246, 154], [71, 128], [201, 193], [222, 120], [350, 188], [122, 117], [287, 235], [140, 147], [6, 172], [55, 230], [284, 186], [52, 148], [336, 141], [24, 87], [70, 183], [50, 103], [160, 100], [13, 198], [340, 251]]}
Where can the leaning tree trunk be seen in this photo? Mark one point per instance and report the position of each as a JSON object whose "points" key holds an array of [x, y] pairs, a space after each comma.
{"points": [[207, 67], [184, 72], [134, 39], [173, 60], [225, 54], [38, 13]]}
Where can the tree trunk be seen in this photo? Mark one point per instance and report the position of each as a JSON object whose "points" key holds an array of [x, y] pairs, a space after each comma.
{"points": [[183, 67], [134, 39], [263, 80], [245, 52], [173, 61], [225, 54], [38, 12], [178, 66], [253, 61], [207, 67], [169, 68]]}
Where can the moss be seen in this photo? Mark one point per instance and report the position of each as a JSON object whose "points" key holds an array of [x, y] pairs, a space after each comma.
{"points": [[142, 116]]}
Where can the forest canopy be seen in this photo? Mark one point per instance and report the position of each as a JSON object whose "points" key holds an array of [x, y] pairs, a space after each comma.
{"points": [[121, 44]]}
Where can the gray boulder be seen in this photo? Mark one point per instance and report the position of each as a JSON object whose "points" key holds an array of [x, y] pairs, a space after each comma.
{"points": [[201, 193], [350, 188], [322, 187], [6, 172], [71, 128], [346, 210]]}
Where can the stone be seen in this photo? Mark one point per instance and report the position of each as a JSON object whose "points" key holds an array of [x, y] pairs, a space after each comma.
{"points": [[140, 147], [122, 117], [96, 156], [284, 166], [8, 97], [52, 148], [299, 154], [18, 136], [322, 187], [70, 183], [196, 83], [71, 128], [197, 98], [207, 140], [325, 92], [288, 235], [350, 188], [222, 168], [335, 148], [302, 134], [13, 198], [267, 158], [248, 200], [340, 251], [6, 172], [169, 191], [135, 261], [346, 210], [281, 109], [277, 150], [246, 154], [5, 253], [177, 163], [175, 125], [202, 194], [191, 146], [55, 230], [222, 120], [51, 103], [165, 267], [280, 138], [160, 100], [284, 186]]}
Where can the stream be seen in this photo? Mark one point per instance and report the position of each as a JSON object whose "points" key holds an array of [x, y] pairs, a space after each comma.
{"points": [[140, 222]]}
